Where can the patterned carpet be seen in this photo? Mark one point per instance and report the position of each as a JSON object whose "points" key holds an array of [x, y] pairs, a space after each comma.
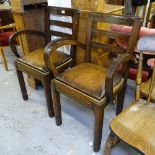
{"points": [[26, 129]]}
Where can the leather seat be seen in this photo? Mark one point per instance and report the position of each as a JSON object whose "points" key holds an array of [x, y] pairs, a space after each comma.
{"points": [[36, 59], [88, 78]]}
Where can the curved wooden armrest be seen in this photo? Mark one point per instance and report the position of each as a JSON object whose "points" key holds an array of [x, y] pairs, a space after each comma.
{"points": [[14, 36], [12, 25], [51, 48], [121, 59]]}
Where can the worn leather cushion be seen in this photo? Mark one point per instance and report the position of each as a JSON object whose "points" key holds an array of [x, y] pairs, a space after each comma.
{"points": [[88, 78], [4, 38], [136, 126], [36, 58]]}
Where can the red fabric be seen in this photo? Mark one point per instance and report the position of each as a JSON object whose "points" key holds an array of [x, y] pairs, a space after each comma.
{"points": [[133, 73], [127, 30], [4, 38]]}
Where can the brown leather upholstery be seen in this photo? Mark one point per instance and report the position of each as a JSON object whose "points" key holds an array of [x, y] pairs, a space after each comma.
{"points": [[88, 78], [136, 126], [36, 59]]}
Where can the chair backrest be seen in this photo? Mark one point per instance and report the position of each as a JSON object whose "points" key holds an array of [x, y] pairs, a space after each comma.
{"points": [[94, 29], [57, 25], [51, 20], [145, 43]]}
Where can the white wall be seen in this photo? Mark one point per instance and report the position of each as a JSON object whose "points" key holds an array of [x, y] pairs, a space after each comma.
{"points": [[60, 3]]}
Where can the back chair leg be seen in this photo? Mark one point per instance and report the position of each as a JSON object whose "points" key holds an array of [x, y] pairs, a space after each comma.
{"points": [[22, 84], [120, 99], [46, 84], [56, 104], [3, 59], [109, 144], [99, 116]]}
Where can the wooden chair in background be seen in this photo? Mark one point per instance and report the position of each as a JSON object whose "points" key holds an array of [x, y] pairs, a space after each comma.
{"points": [[144, 12], [33, 63], [5, 32], [85, 83], [136, 125]]}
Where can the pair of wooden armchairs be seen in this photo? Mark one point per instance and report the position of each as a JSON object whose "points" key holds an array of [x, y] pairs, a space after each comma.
{"points": [[89, 84], [5, 32], [136, 125]]}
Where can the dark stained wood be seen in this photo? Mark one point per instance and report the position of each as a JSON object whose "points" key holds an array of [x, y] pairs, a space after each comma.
{"points": [[62, 24], [80, 82], [109, 48], [60, 34], [33, 67], [110, 34], [112, 19]]}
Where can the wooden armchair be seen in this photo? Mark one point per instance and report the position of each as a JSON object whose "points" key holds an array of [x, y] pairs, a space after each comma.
{"points": [[85, 83], [33, 63], [5, 32], [136, 125]]}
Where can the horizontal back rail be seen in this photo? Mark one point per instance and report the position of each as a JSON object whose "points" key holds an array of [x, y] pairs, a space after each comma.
{"points": [[62, 11], [107, 47], [60, 34], [109, 34], [61, 24], [113, 19]]}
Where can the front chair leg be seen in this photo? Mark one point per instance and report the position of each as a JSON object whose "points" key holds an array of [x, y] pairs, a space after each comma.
{"points": [[56, 104], [99, 116], [109, 144], [46, 84], [22, 84]]}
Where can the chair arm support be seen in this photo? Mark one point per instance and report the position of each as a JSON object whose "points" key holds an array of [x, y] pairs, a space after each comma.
{"points": [[7, 26], [14, 36], [51, 48], [121, 59]]}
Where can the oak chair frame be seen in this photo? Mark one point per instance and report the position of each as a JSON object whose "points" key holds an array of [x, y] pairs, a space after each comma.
{"points": [[114, 138], [2, 29], [46, 75], [96, 105]]}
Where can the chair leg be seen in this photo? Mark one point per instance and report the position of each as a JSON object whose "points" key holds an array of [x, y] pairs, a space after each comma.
{"points": [[99, 114], [109, 144], [120, 99], [46, 83], [3, 59], [22, 84], [56, 104]]}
